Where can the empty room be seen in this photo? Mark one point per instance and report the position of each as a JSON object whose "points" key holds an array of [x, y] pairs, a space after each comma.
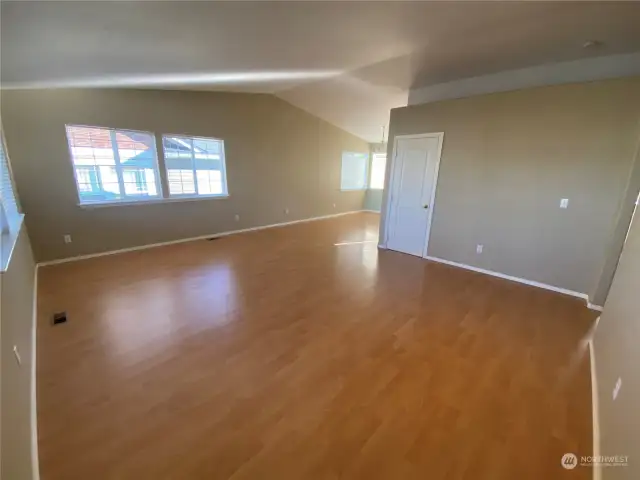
{"points": [[319, 240]]}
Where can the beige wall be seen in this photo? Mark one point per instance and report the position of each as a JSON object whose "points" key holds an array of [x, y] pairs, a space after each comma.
{"points": [[16, 316], [277, 156], [617, 238], [509, 158], [373, 200], [617, 356]]}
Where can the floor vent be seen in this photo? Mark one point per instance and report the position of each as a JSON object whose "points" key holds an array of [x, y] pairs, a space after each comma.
{"points": [[212, 239], [59, 318]]}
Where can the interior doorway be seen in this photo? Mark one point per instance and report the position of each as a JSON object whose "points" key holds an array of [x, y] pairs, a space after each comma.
{"points": [[412, 187]]}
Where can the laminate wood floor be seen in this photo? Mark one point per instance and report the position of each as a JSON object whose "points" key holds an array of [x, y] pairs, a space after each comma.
{"points": [[303, 352]]}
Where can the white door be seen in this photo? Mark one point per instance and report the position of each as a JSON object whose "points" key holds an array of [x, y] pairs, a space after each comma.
{"points": [[413, 182]]}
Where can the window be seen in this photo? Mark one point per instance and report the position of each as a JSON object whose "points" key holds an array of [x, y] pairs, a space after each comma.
{"points": [[10, 216], [378, 166], [113, 166], [354, 171], [195, 166]]}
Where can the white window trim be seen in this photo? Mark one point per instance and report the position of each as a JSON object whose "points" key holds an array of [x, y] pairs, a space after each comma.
{"points": [[8, 240], [366, 172], [124, 201], [164, 196], [9, 233], [174, 199], [192, 196]]}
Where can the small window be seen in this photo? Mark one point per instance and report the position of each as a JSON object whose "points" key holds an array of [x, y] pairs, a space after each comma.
{"points": [[195, 166], [113, 166], [378, 166], [354, 171]]}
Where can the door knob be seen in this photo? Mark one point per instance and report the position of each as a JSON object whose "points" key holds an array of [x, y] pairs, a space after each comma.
{"points": [[425, 206]]}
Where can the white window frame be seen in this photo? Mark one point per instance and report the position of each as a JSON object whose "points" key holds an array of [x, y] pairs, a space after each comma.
{"points": [[11, 219], [365, 184], [127, 199], [196, 196], [373, 157]]}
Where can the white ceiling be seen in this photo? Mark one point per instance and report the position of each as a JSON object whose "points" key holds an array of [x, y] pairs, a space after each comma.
{"points": [[347, 62]]}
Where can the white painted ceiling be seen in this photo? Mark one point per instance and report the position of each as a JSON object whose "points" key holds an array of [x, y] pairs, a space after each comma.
{"points": [[346, 62]]}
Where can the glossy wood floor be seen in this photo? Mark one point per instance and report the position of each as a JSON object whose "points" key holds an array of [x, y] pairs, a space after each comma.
{"points": [[303, 352]]}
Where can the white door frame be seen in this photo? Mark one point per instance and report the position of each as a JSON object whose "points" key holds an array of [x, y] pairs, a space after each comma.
{"points": [[387, 207]]}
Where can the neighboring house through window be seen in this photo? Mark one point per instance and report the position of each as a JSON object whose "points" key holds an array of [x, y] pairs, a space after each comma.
{"points": [[113, 165], [195, 166]]}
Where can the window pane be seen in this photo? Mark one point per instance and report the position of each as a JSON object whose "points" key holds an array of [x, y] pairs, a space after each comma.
{"points": [[135, 148], [87, 180], [354, 171], [139, 181], [209, 182], [378, 166], [186, 155], [110, 186], [90, 146], [177, 147], [113, 165], [181, 182]]}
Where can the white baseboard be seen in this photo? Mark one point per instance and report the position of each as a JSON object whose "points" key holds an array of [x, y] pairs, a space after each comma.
{"points": [[35, 463], [565, 291], [597, 470], [191, 239], [584, 296], [371, 211]]}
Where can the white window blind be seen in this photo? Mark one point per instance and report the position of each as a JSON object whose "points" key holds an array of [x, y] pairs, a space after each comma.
{"points": [[10, 215], [112, 166], [195, 166], [354, 171], [378, 166]]}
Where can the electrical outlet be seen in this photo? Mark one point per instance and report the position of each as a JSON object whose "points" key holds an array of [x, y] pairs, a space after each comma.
{"points": [[67, 239], [286, 211], [564, 203], [479, 248], [616, 389], [237, 218]]}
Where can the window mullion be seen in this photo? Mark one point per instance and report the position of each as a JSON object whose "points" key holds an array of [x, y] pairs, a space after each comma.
{"points": [[162, 174], [193, 165], [223, 169], [96, 168], [116, 158]]}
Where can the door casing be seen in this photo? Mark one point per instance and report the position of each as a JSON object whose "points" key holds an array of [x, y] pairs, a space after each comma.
{"points": [[387, 206]]}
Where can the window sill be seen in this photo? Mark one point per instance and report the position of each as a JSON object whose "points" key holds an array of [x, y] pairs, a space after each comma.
{"points": [[8, 244], [154, 201]]}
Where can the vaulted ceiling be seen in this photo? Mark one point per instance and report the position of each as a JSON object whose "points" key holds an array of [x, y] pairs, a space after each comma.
{"points": [[347, 62]]}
